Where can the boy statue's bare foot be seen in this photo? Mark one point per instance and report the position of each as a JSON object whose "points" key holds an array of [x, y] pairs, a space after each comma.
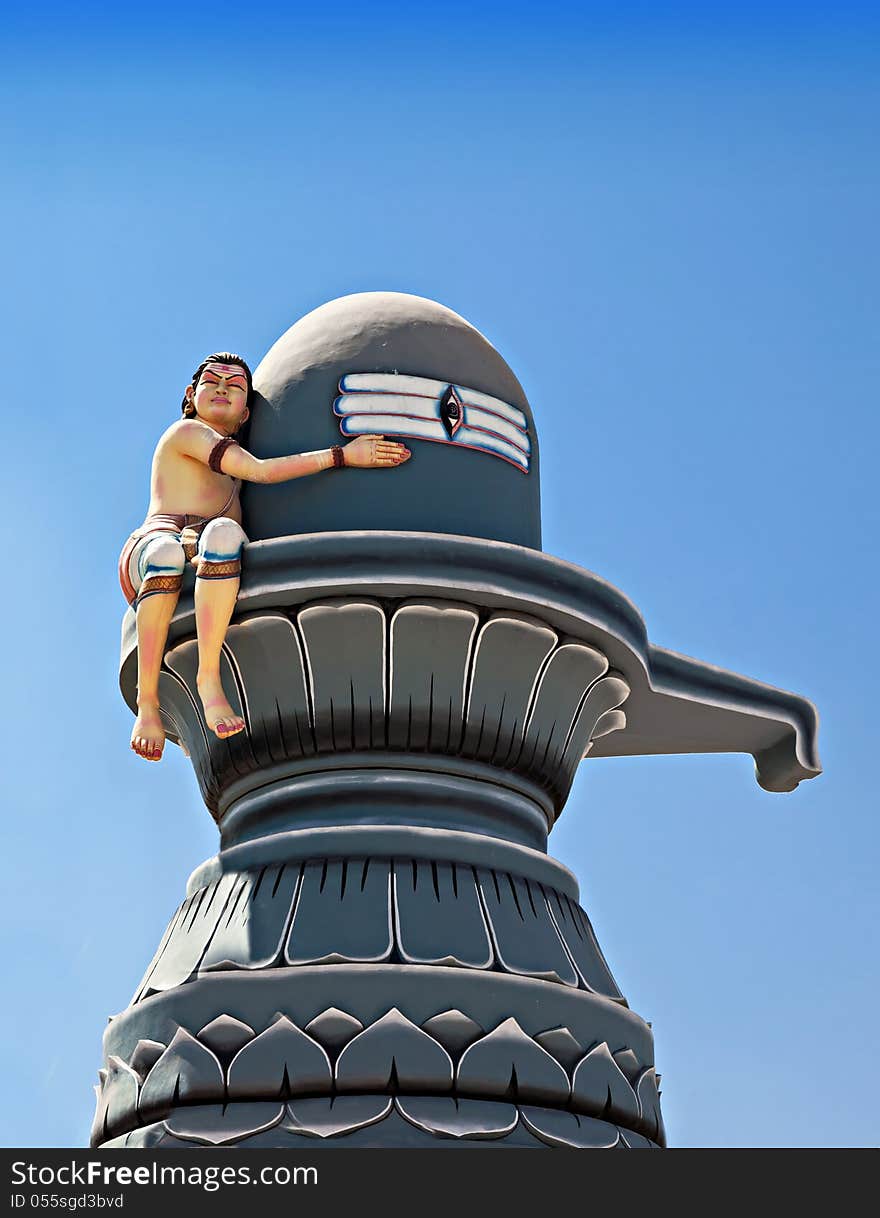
{"points": [[219, 715], [148, 734]]}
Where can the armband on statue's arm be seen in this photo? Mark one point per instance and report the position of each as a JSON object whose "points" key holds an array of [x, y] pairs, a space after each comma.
{"points": [[216, 458]]}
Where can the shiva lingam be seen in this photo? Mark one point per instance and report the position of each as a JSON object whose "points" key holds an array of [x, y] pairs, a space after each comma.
{"points": [[382, 953]]}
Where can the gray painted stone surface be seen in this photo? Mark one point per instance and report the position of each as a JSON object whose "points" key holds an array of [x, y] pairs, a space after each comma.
{"points": [[382, 953], [449, 489]]}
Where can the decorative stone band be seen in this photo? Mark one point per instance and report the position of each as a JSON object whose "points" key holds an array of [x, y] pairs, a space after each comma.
{"points": [[378, 911], [380, 1121], [387, 842], [420, 678], [427, 409], [446, 795], [676, 705], [337, 1075]]}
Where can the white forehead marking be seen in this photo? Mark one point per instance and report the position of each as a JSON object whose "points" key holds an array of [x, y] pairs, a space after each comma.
{"points": [[235, 368], [429, 409]]}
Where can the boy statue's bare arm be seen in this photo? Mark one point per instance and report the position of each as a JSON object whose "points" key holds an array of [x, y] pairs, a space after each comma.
{"points": [[195, 439]]}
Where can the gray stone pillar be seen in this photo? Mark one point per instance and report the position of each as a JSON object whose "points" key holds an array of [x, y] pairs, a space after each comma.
{"points": [[382, 953]]}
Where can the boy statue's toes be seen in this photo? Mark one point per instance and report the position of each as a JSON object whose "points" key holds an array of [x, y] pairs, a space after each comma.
{"points": [[148, 735]]}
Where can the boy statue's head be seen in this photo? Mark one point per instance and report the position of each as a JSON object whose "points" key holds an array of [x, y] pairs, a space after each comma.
{"points": [[210, 370]]}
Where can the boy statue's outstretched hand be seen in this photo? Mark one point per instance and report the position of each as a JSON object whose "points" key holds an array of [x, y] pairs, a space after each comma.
{"points": [[374, 451]]}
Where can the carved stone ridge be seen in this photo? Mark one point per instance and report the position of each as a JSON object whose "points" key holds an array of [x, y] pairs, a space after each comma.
{"points": [[676, 704]]}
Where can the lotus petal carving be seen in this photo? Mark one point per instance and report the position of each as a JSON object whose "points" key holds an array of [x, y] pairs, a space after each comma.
{"points": [[146, 1054], [508, 1062], [649, 1104], [599, 1086], [334, 1028], [117, 1099], [332, 1118], [220, 1125], [226, 1035], [453, 1030], [559, 1128], [394, 1053], [448, 1118], [280, 1061], [187, 1072]]}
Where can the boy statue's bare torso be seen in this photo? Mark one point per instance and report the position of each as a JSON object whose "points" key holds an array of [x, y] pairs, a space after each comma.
{"points": [[195, 515], [181, 484]]}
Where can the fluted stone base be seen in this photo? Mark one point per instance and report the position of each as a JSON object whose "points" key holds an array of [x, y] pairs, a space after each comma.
{"points": [[383, 953]]}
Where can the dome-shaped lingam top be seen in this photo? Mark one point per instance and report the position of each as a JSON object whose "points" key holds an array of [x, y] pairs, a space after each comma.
{"points": [[409, 368]]}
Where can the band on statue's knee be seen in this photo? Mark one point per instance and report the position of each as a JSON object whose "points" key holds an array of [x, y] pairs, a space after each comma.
{"points": [[225, 569], [156, 584]]}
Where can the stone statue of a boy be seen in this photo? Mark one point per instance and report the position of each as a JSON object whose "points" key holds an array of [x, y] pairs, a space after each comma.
{"points": [[195, 515]]}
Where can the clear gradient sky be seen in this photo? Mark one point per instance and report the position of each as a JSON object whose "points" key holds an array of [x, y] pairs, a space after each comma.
{"points": [[665, 217]]}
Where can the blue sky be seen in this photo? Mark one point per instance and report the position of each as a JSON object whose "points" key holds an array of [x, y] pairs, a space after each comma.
{"points": [[664, 216]]}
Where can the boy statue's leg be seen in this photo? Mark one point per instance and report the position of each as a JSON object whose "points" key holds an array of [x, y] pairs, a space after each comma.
{"points": [[217, 582], [159, 566]]}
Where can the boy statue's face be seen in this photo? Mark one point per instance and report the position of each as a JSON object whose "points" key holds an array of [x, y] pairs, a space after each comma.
{"points": [[220, 396]]}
